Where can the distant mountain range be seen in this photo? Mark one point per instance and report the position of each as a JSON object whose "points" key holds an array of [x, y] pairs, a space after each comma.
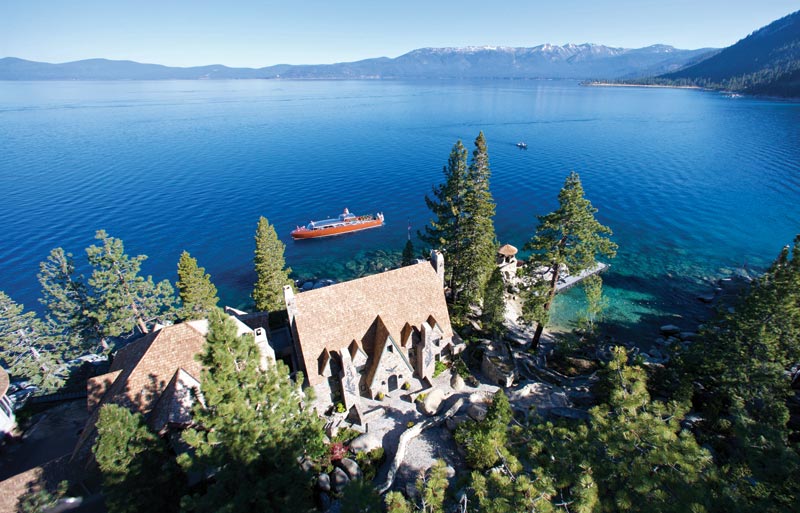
{"points": [[585, 61], [767, 62]]}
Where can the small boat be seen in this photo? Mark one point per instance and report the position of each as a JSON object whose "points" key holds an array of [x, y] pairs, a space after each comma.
{"points": [[345, 223], [521, 145]]}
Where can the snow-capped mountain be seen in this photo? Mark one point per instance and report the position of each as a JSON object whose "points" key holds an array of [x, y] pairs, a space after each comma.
{"points": [[583, 61]]}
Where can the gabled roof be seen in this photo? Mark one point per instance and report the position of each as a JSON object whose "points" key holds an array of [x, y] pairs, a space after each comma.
{"points": [[332, 317], [148, 364], [382, 339], [174, 407], [141, 371]]}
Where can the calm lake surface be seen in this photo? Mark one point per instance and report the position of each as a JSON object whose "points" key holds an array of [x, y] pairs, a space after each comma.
{"points": [[694, 184]]}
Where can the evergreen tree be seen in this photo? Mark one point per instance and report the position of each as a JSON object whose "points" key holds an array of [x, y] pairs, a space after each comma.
{"points": [[463, 228], [26, 347], [478, 241], [569, 236], [67, 301], [252, 427], [270, 268], [408, 254], [494, 304], [739, 367], [396, 503], [122, 299], [38, 499], [595, 302], [139, 473], [447, 205], [484, 442], [644, 458], [197, 293], [433, 488], [360, 496]]}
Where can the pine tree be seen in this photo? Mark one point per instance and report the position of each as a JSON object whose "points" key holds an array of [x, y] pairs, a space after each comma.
{"points": [[408, 254], [360, 496], [478, 241], [270, 268], [494, 304], [66, 298], [433, 488], [121, 299], [645, 460], [484, 442], [197, 293], [252, 426], [139, 473], [595, 302], [396, 503], [39, 499], [463, 228], [447, 205], [26, 347], [569, 236], [632, 455], [739, 367]]}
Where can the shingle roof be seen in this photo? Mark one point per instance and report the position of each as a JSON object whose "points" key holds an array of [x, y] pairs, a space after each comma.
{"points": [[4, 382], [142, 370], [332, 317], [149, 363]]}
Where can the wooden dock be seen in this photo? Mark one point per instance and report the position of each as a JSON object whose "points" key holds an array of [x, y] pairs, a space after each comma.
{"points": [[570, 281]]}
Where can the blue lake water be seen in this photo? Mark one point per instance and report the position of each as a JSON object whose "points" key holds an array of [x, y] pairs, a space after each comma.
{"points": [[694, 184]]}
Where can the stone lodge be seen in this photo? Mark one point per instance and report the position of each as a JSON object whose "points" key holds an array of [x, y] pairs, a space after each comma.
{"points": [[366, 338]]}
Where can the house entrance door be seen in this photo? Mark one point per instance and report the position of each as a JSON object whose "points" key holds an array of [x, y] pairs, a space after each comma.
{"points": [[392, 383]]}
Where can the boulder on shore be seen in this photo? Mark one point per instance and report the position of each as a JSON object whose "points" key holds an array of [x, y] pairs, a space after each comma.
{"points": [[432, 402], [339, 480], [476, 412], [351, 467], [366, 442], [670, 329], [457, 382], [324, 482]]}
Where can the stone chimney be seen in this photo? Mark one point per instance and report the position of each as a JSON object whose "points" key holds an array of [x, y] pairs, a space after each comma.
{"points": [[291, 306], [267, 353], [437, 261]]}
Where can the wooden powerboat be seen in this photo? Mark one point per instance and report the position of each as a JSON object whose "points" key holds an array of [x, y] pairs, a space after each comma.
{"points": [[345, 223]]}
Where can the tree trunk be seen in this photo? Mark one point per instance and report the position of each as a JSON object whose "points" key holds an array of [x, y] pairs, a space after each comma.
{"points": [[139, 321], [551, 293]]}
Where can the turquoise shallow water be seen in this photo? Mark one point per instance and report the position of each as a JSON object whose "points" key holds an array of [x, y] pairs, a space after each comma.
{"points": [[694, 184]]}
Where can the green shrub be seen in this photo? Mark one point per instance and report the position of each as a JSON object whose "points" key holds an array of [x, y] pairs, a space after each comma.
{"points": [[345, 434], [440, 368], [461, 367], [369, 462], [380, 396], [421, 397], [340, 408], [406, 386]]}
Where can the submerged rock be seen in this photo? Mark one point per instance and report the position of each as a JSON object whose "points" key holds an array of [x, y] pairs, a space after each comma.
{"points": [[670, 329]]}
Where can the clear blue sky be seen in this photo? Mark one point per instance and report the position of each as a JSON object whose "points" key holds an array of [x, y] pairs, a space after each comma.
{"points": [[257, 33]]}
